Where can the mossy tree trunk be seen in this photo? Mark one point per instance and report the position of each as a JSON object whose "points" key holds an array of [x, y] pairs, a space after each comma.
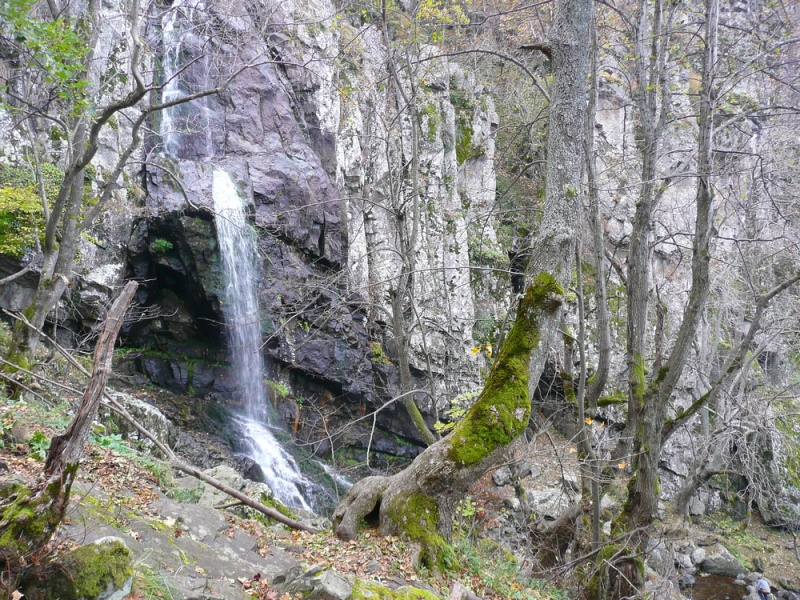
{"points": [[419, 502], [30, 515]]}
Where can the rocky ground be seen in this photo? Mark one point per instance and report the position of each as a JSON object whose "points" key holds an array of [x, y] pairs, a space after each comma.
{"points": [[186, 546], [189, 541]]}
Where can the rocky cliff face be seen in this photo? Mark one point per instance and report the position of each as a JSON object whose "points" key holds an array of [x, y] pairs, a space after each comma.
{"points": [[320, 143]]}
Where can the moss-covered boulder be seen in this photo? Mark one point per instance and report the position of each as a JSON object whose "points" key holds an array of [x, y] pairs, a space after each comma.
{"points": [[99, 571], [373, 591]]}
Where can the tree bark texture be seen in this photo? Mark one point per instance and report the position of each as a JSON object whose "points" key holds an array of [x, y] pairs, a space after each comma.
{"points": [[652, 403], [554, 246]]}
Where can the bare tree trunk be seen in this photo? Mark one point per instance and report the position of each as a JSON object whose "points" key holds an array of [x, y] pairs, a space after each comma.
{"points": [[32, 515], [407, 242], [594, 388], [652, 403]]}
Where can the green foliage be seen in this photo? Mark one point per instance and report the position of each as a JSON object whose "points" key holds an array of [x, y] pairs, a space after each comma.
{"points": [[20, 218], [151, 585], [23, 177], [458, 408], [788, 423], [486, 254], [376, 353], [21, 213], [113, 442], [739, 539], [278, 389], [39, 444], [161, 246], [497, 570], [57, 47], [185, 495], [441, 12]]}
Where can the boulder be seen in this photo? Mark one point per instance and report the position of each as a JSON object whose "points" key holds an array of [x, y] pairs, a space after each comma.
{"points": [[548, 504], [213, 497], [102, 570], [147, 415], [314, 583], [720, 561], [502, 476], [698, 556]]}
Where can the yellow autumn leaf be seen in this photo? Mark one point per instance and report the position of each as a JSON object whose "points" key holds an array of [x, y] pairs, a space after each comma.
{"points": [[572, 450], [588, 420], [475, 350], [622, 465], [489, 350], [599, 427]]}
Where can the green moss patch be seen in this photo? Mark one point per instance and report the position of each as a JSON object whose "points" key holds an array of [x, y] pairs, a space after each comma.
{"points": [[617, 397], [502, 410], [28, 521], [87, 572], [417, 517], [373, 591], [95, 566]]}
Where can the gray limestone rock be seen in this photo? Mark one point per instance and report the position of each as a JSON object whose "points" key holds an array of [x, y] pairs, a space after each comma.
{"points": [[720, 561], [150, 417], [502, 476], [698, 556], [314, 583]]}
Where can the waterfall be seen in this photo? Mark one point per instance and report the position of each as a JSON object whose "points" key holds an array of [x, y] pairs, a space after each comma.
{"points": [[237, 244], [186, 129]]}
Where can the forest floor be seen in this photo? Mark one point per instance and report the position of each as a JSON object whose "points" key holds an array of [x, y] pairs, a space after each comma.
{"points": [[120, 491], [134, 483]]}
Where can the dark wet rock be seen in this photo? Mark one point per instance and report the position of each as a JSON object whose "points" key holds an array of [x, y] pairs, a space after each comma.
{"points": [[249, 468]]}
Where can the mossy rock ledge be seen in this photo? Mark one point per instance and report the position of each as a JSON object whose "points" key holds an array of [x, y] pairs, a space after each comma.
{"points": [[102, 570]]}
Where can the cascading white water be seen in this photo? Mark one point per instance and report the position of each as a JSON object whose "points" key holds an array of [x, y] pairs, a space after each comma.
{"points": [[193, 119], [237, 246]]}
